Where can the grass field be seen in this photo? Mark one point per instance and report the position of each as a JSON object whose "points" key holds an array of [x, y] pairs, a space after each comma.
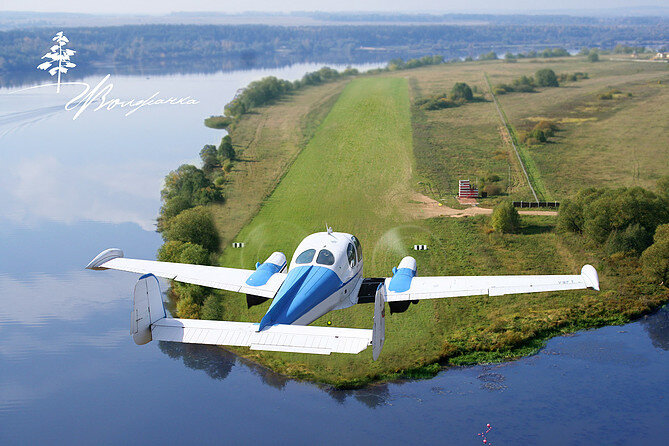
{"points": [[602, 143], [267, 141], [357, 172]]}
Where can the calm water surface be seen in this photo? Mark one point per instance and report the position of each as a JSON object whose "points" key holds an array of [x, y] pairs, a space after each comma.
{"points": [[70, 373]]}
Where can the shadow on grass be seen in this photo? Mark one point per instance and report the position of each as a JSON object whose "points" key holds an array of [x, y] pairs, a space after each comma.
{"points": [[535, 229]]}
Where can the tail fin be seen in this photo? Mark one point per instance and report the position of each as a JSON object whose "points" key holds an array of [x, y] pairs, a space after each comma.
{"points": [[147, 308], [379, 330]]}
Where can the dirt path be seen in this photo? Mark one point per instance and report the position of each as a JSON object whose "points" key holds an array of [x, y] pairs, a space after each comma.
{"points": [[426, 207]]}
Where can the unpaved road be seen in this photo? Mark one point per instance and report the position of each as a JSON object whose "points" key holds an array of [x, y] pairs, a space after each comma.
{"points": [[428, 208]]}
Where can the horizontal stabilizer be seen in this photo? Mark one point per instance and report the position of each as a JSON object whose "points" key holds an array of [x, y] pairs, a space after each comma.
{"points": [[284, 338]]}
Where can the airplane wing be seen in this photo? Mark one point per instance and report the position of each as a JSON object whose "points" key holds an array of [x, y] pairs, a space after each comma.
{"points": [[403, 286], [282, 338], [264, 281]]}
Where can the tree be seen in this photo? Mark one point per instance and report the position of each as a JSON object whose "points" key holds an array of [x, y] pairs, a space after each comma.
{"points": [[195, 225], [180, 252], [662, 186], [184, 188], [488, 56], [225, 150], [633, 239], [655, 259], [546, 78], [593, 56], [505, 218], [209, 158], [461, 91], [59, 53]]}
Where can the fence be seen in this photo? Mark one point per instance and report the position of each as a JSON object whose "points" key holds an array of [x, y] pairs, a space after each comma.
{"points": [[536, 204]]}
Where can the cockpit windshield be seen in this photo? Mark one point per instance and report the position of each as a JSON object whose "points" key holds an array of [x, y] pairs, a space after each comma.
{"points": [[358, 248], [325, 257], [306, 257]]}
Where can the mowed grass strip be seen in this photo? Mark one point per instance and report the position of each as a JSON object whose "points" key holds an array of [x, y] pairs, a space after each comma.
{"points": [[355, 175], [349, 176]]}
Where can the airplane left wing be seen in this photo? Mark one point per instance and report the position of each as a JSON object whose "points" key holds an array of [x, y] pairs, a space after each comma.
{"points": [[403, 286], [264, 281]]}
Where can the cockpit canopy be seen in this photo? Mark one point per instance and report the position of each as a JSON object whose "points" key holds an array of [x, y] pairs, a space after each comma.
{"points": [[329, 249], [325, 257]]}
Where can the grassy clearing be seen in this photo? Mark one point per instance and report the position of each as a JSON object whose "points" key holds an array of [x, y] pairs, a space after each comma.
{"points": [[617, 142]]}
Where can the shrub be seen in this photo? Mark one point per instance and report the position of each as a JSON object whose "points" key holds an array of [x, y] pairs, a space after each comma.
{"points": [[219, 180], [634, 239], [546, 78], [662, 186], [218, 122], [598, 212], [492, 178], [655, 259], [593, 56], [209, 158], [492, 189], [461, 91], [505, 218], [194, 225], [185, 188], [225, 150]]}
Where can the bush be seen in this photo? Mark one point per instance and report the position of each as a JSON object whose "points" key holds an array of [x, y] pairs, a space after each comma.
{"points": [[634, 239], [180, 252], [546, 78], [185, 188], [461, 91], [492, 178], [218, 122], [505, 218], [209, 158], [492, 189], [194, 225], [593, 57], [655, 259], [225, 150], [488, 56], [662, 186], [598, 212]]}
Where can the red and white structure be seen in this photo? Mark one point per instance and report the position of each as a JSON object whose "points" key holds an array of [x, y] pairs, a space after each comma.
{"points": [[466, 190]]}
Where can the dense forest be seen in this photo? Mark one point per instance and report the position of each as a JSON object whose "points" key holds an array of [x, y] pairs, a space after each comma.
{"points": [[207, 48]]}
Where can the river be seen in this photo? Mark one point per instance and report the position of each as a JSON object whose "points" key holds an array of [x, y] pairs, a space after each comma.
{"points": [[69, 371]]}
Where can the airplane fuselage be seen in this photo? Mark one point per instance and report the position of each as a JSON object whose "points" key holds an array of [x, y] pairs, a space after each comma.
{"points": [[325, 274]]}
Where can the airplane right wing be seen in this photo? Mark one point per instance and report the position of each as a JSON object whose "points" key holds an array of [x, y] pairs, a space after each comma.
{"points": [[264, 281]]}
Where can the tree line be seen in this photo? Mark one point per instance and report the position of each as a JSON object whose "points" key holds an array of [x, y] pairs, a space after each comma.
{"points": [[201, 48]]}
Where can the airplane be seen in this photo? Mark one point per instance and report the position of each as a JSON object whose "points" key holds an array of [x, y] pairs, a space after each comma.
{"points": [[325, 274]]}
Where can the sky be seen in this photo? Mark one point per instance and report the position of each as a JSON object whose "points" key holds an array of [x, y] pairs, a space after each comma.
{"points": [[434, 6]]}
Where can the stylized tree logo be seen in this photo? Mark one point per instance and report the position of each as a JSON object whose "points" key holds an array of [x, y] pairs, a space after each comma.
{"points": [[58, 54]]}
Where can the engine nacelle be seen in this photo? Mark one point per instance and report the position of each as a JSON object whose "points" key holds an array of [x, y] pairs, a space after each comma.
{"points": [[401, 282], [274, 264]]}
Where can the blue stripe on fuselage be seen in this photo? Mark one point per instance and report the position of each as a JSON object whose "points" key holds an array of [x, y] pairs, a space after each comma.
{"points": [[304, 288]]}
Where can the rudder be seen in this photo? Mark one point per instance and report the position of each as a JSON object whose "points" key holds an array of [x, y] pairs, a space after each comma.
{"points": [[147, 308]]}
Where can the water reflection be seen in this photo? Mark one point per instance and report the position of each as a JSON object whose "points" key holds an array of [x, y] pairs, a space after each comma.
{"points": [[657, 327], [215, 362]]}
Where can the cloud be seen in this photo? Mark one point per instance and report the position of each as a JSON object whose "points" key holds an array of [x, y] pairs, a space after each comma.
{"points": [[45, 188]]}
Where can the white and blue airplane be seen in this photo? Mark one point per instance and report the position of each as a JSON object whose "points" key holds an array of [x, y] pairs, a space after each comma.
{"points": [[325, 274]]}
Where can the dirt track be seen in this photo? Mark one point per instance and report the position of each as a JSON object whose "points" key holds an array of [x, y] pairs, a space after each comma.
{"points": [[428, 208]]}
